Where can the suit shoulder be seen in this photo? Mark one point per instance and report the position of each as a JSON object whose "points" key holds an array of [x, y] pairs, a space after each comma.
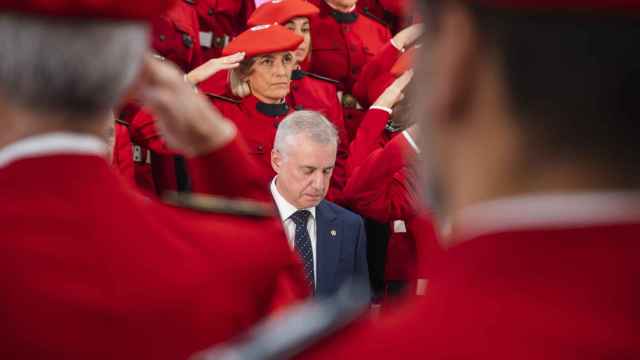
{"points": [[344, 213]]}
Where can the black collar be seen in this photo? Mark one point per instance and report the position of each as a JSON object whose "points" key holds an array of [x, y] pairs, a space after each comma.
{"points": [[344, 18], [272, 110], [298, 74]]}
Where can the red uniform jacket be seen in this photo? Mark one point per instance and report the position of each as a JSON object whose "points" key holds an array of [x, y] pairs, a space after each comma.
{"points": [[376, 76], [123, 153], [222, 20], [154, 161], [258, 128], [383, 186], [340, 50], [132, 159], [153, 282], [176, 36], [512, 289]]}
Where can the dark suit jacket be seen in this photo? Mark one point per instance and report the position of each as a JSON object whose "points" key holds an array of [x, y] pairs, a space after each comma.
{"points": [[341, 249]]}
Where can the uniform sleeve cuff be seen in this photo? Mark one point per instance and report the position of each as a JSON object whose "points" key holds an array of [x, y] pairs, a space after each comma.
{"points": [[395, 45], [385, 109]]}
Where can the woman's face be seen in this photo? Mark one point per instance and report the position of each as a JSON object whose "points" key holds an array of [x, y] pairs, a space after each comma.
{"points": [[300, 26], [270, 76]]}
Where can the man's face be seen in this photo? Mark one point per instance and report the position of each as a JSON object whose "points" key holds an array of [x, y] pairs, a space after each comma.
{"points": [[271, 75], [304, 170]]}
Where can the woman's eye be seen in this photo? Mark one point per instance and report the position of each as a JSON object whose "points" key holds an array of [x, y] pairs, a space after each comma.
{"points": [[305, 30]]}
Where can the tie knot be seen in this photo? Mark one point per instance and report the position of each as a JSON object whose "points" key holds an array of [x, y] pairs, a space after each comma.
{"points": [[300, 217]]}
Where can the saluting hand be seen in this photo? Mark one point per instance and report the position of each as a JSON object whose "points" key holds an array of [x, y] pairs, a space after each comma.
{"points": [[186, 119], [211, 67], [395, 92], [409, 35]]}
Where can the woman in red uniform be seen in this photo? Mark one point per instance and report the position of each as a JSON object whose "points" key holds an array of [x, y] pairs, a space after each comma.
{"points": [[308, 91]]}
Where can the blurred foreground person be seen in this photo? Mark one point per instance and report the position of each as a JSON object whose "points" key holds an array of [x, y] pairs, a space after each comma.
{"points": [[330, 240], [529, 139], [90, 268]]}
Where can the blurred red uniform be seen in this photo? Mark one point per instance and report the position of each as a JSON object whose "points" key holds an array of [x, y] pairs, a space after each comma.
{"points": [[383, 186], [342, 44], [221, 21], [538, 277], [376, 76], [153, 282], [131, 159], [123, 152], [176, 36]]}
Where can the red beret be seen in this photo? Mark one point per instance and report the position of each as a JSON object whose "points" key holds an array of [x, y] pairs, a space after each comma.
{"points": [[98, 9], [281, 11], [264, 39], [561, 4], [404, 63]]}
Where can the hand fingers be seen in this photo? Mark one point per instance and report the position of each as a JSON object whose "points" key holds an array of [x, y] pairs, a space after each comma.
{"points": [[234, 58], [404, 80], [228, 66]]}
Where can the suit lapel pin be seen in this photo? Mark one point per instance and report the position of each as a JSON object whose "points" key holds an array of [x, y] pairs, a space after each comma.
{"points": [[334, 233]]}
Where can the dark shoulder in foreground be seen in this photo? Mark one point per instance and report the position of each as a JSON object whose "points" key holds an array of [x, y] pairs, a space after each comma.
{"points": [[219, 205]]}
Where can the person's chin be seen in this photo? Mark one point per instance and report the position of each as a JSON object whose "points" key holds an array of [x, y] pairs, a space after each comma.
{"points": [[279, 91], [311, 201]]}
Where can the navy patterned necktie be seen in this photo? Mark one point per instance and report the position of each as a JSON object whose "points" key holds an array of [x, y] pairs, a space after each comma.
{"points": [[303, 243]]}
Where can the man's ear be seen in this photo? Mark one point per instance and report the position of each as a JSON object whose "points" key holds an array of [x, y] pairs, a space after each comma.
{"points": [[454, 60], [276, 160]]}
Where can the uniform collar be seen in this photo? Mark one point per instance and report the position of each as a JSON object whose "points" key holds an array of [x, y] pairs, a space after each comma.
{"points": [[342, 17], [271, 110], [297, 74], [285, 208], [59, 143], [543, 211]]}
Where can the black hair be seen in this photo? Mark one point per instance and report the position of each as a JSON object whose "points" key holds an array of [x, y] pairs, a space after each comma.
{"points": [[572, 78]]}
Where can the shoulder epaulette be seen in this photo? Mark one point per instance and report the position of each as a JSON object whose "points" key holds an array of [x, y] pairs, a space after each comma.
{"points": [[223, 98], [368, 14], [219, 205], [122, 122], [320, 77]]}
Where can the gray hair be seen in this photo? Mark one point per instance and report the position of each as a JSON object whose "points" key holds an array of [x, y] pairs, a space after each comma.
{"points": [[71, 67], [311, 123]]}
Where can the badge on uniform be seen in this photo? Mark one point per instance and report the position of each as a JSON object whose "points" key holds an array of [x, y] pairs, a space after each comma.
{"points": [[206, 39], [399, 227]]}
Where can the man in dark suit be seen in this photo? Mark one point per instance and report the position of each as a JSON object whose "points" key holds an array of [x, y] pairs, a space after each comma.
{"points": [[330, 239]]}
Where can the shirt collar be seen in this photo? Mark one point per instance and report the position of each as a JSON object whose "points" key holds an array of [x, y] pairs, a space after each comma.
{"points": [[284, 207], [543, 211], [52, 144]]}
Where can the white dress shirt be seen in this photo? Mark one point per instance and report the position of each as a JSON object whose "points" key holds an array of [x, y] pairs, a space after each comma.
{"points": [[286, 210], [52, 144]]}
